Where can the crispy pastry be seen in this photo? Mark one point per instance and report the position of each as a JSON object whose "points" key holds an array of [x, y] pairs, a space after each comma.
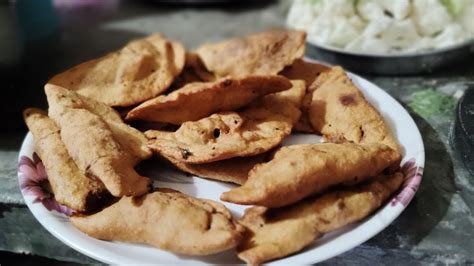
{"points": [[166, 219], [299, 171], [276, 233], [308, 72], [265, 53], [338, 110], [132, 140], [70, 186], [257, 129], [201, 99], [100, 144], [141, 70]]}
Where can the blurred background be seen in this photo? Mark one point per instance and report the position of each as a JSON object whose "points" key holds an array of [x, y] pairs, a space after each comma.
{"points": [[39, 38]]}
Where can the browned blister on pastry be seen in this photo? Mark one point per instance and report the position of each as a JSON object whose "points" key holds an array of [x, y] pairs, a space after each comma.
{"points": [[139, 71], [69, 185], [201, 99], [265, 53], [276, 233], [338, 109], [234, 170], [166, 219], [99, 143], [299, 171], [308, 72], [258, 128]]}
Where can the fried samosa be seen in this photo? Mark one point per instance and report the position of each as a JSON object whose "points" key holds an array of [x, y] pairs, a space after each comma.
{"points": [[258, 128], [69, 185], [276, 233], [100, 144], [298, 171], [339, 111], [201, 99], [265, 53], [166, 219], [139, 71], [308, 72]]}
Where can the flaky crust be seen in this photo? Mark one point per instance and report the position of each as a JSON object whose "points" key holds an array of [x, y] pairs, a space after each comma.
{"points": [[276, 233], [70, 186], [139, 71], [338, 109], [132, 140], [100, 146], [166, 219], [258, 128], [265, 53], [298, 171], [201, 99]]}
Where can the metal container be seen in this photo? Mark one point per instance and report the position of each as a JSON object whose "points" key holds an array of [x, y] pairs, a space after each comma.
{"points": [[463, 137], [402, 64]]}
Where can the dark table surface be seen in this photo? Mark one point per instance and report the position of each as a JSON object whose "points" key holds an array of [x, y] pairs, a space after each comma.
{"points": [[39, 38]]}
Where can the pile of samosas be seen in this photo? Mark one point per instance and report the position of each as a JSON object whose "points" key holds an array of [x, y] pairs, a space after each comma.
{"points": [[218, 112]]}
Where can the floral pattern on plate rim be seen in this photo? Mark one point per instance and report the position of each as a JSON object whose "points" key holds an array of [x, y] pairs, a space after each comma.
{"points": [[412, 179], [34, 182]]}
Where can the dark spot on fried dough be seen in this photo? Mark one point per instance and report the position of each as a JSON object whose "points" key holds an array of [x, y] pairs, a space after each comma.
{"points": [[227, 82], [341, 205], [185, 153], [216, 133], [324, 221], [348, 100], [138, 201]]}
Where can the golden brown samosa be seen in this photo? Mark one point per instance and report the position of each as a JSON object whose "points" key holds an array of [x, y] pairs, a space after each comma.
{"points": [[100, 144], [256, 129], [69, 185], [339, 111], [276, 233], [265, 53], [139, 71], [200, 99], [298, 171], [166, 219]]}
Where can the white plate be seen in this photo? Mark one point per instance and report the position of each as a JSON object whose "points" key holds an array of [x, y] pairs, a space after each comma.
{"points": [[330, 245]]}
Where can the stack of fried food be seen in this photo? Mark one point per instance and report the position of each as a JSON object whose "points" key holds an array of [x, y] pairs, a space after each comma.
{"points": [[231, 104]]}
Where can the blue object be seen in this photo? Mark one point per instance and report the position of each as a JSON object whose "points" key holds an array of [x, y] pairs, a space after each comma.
{"points": [[36, 18]]}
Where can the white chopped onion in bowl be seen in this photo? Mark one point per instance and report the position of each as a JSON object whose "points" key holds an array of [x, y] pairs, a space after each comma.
{"points": [[384, 26]]}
